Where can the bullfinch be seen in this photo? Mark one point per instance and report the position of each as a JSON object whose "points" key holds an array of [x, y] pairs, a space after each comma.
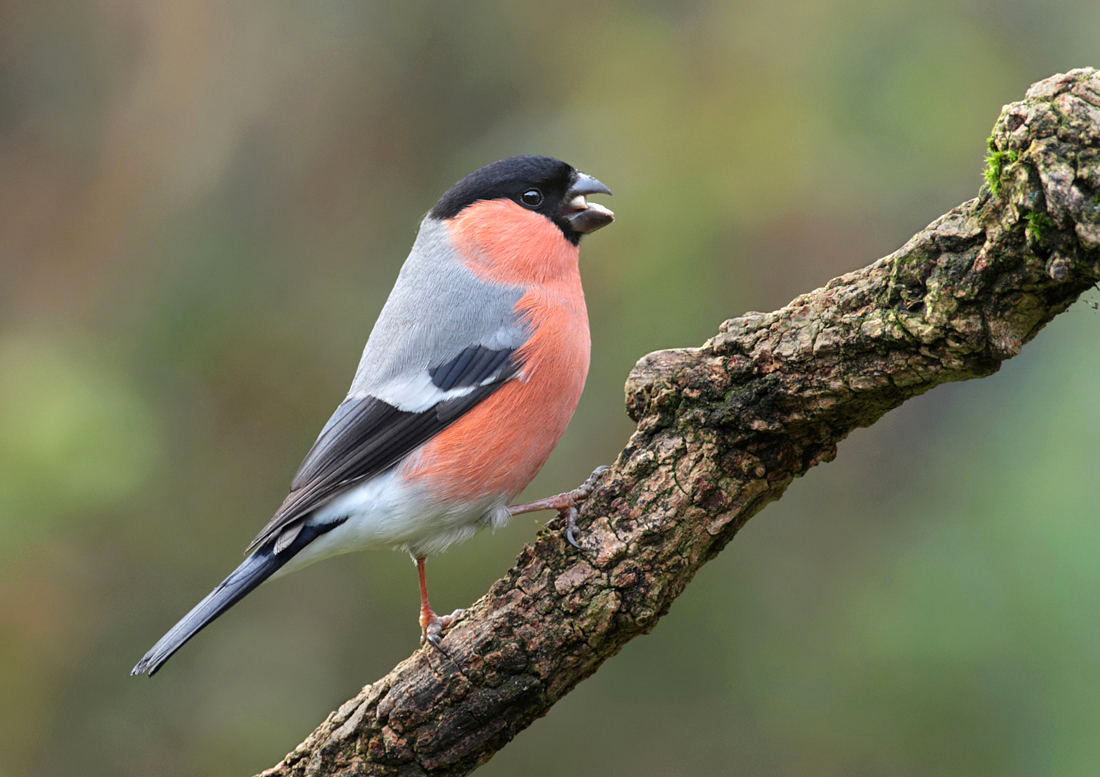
{"points": [[466, 384]]}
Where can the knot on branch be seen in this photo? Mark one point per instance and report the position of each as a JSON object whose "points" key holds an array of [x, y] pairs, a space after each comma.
{"points": [[1044, 162]]}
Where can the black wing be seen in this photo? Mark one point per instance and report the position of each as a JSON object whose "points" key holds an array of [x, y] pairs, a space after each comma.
{"points": [[367, 436]]}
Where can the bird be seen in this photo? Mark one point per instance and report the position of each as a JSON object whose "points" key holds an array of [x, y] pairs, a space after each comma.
{"points": [[469, 378]]}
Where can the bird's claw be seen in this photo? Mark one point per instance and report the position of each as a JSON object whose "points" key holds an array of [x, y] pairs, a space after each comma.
{"points": [[570, 516], [432, 627], [587, 487], [565, 504], [575, 497]]}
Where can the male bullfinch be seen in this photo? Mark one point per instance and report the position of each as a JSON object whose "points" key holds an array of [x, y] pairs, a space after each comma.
{"points": [[466, 384]]}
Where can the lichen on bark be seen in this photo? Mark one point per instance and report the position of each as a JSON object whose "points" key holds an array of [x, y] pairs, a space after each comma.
{"points": [[724, 429]]}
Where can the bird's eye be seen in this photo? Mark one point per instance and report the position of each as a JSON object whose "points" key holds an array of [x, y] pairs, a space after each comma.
{"points": [[532, 198]]}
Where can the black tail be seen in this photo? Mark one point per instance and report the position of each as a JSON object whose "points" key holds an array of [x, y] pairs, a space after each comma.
{"points": [[254, 570]]}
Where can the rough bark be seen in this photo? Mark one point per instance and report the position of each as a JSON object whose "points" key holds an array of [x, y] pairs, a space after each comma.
{"points": [[724, 429]]}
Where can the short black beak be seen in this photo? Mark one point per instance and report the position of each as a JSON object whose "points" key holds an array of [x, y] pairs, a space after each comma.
{"points": [[584, 216], [583, 185]]}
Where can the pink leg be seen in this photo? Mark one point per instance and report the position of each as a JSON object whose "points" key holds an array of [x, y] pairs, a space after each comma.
{"points": [[431, 625], [565, 504]]}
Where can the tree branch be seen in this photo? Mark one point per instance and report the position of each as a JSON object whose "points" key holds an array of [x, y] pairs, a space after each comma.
{"points": [[724, 429]]}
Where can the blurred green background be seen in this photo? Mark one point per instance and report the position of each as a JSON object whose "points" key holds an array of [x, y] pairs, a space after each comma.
{"points": [[202, 208]]}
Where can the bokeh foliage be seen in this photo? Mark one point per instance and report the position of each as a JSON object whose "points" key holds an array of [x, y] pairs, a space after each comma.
{"points": [[204, 206]]}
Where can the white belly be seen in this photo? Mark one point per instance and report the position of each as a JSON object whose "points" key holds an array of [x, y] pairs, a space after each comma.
{"points": [[385, 512]]}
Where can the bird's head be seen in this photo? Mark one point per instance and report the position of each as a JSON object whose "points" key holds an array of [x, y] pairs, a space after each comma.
{"points": [[539, 184]]}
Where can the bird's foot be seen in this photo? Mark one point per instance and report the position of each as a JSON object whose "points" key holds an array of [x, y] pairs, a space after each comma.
{"points": [[566, 504], [432, 627]]}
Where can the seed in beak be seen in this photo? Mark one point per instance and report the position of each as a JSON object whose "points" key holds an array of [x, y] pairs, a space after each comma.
{"points": [[576, 204]]}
